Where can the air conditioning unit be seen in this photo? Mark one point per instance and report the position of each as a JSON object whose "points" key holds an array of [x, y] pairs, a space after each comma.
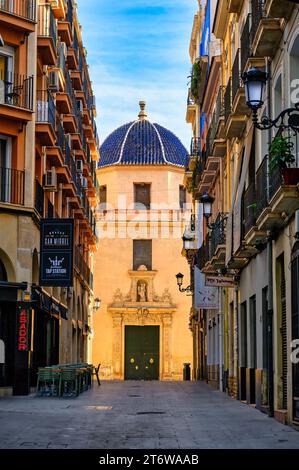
{"points": [[84, 182], [80, 106], [79, 166], [50, 180], [54, 81]]}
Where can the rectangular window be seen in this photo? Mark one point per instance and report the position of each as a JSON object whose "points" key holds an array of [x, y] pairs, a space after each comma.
{"points": [[183, 197], [142, 254], [103, 196], [142, 196], [5, 169]]}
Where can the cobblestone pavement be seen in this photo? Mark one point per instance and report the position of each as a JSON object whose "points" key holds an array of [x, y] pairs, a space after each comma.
{"points": [[149, 415]]}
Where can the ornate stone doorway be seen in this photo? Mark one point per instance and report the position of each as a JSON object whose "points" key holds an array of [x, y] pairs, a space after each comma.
{"points": [[142, 307]]}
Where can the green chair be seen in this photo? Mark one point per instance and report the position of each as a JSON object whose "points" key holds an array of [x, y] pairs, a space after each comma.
{"points": [[48, 382], [69, 383]]}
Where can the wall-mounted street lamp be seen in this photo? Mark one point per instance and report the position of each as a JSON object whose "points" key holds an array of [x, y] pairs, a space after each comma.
{"points": [[207, 202], [255, 82], [180, 278], [97, 304]]}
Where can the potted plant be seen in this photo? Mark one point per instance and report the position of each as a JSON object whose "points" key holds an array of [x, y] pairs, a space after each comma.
{"points": [[281, 155], [195, 80]]}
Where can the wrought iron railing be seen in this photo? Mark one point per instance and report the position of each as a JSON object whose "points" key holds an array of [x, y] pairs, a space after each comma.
{"points": [[12, 186], [227, 100], [262, 191], [39, 198], [245, 43], [46, 22], [17, 90], [69, 14], [45, 107], [190, 100], [60, 136], [249, 208], [236, 76], [218, 235], [82, 266], [257, 8], [22, 8], [195, 149], [61, 59], [204, 253]]}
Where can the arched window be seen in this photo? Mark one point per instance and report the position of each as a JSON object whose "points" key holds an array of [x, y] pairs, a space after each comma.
{"points": [[3, 273]]}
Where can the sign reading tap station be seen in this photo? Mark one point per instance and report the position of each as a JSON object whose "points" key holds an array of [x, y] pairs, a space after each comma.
{"points": [[57, 247], [219, 281]]}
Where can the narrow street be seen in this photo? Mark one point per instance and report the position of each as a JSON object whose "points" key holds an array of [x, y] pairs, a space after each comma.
{"points": [[149, 415]]}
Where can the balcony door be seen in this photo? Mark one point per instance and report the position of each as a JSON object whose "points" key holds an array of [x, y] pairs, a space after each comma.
{"points": [[5, 168], [6, 73]]}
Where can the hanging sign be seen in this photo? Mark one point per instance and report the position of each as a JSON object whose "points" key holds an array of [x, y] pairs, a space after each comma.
{"points": [[57, 246], [204, 297], [219, 281], [23, 329]]}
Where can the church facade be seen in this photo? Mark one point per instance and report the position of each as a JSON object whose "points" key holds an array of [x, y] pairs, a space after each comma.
{"points": [[141, 331]]}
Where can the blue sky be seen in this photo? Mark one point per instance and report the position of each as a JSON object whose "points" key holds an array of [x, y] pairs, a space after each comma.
{"points": [[139, 50]]}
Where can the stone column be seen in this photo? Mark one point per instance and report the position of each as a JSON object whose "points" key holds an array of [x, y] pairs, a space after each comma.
{"points": [[117, 346], [167, 352]]}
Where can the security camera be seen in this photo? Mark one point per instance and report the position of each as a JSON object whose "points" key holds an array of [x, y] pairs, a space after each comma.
{"points": [[1, 41]]}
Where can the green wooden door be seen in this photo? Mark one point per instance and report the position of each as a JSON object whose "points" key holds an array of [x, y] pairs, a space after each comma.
{"points": [[142, 352]]}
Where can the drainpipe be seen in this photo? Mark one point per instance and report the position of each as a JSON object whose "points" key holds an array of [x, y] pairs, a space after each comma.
{"points": [[270, 276]]}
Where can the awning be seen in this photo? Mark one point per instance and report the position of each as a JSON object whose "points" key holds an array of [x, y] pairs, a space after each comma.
{"points": [[9, 290], [48, 304]]}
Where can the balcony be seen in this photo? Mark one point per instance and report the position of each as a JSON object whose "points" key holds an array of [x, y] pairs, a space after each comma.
{"points": [[204, 254], [266, 32], [16, 97], [39, 199], [47, 35], [69, 120], [278, 9], [191, 108], [82, 267], [199, 76], [235, 6], [19, 14], [234, 122], [195, 151], [12, 186], [59, 8], [65, 26], [281, 195], [72, 53], [45, 118], [64, 98], [218, 242], [216, 144], [238, 93]]}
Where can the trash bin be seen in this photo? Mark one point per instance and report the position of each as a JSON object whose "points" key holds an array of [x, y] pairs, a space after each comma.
{"points": [[187, 372]]}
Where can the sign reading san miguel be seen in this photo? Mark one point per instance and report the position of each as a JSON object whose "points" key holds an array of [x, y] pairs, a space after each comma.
{"points": [[57, 240], [23, 331]]}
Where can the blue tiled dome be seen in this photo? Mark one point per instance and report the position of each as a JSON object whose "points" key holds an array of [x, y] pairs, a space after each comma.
{"points": [[142, 143]]}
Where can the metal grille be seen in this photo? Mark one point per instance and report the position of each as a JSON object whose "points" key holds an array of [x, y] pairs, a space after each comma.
{"points": [[262, 187], [227, 100], [236, 78], [245, 43]]}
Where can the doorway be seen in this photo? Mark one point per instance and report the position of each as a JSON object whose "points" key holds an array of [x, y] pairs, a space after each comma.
{"points": [[142, 347]]}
